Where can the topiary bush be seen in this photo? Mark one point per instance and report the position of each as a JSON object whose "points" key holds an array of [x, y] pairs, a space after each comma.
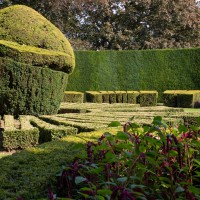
{"points": [[26, 37], [26, 26], [25, 89]]}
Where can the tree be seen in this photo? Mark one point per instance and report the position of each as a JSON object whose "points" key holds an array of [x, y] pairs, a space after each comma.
{"points": [[142, 24], [123, 24]]}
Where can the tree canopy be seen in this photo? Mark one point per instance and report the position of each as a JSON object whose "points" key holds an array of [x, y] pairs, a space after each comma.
{"points": [[123, 24]]}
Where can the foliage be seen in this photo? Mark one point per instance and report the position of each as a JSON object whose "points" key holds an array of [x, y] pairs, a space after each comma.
{"points": [[55, 60], [13, 138], [28, 29], [25, 89], [142, 162], [127, 24], [166, 69], [27, 173]]}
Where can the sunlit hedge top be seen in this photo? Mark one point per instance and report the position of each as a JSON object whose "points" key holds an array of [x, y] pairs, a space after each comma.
{"points": [[26, 26]]}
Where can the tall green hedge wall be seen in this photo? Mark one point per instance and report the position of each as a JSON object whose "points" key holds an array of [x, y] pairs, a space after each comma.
{"points": [[136, 70], [26, 89]]}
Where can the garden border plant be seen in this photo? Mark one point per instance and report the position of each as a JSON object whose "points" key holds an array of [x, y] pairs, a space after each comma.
{"points": [[142, 162]]}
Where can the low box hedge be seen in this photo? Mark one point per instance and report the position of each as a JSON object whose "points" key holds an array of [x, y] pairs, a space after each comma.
{"points": [[19, 138], [148, 98], [119, 96], [73, 97], [182, 98], [105, 96], [112, 97], [189, 99], [50, 132], [132, 97], [93, 96], [27, 173]]}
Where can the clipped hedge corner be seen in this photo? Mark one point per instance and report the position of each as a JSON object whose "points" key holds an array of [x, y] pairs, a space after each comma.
{"points": [[132, 97], [18, 137], [182, 98], [93, 96], [50, 132], [73, 97], [148, 98]]}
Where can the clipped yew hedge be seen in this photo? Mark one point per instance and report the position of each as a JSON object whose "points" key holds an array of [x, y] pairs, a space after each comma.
{"points": [[160, 70], [25, 89], [73, 97], [182, 98], [49, 132], [21, 137]]}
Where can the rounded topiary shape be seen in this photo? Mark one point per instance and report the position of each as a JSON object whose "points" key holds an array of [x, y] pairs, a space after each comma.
{"points": [[27, 29], [35, 60]]}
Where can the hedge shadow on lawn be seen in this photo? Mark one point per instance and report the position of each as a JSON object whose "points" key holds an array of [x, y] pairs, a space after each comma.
{"points": [[28, 173]]}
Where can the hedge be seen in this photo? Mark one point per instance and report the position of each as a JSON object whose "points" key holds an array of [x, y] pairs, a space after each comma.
{"points": [[25, 26], [182, 98], [18, 137], [36, 56], [93, 96], [167, 69], [73, 97], [148, 98], [28, 173], [49, 132], [25, 89]]}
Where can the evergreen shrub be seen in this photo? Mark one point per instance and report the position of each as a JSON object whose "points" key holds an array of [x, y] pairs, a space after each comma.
{"points": [[25, 89], [73, 97], [119, 96], [112, 97], [35, 56], [23, 28], [148, 98], [50, 132], [132, 97], [182, 98], [160, 70], [93, 97], [105, 96], [21, 137]]}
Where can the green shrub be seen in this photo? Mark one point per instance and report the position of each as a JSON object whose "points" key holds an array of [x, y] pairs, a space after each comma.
{"points": [[112, 97], [105, 96], [132, 97], [191, 99], [93, 97], [73, 97], [49, 132], [25, 26], [28, 173], [34, 56], [19, 138], [148, 98], [170, 98], [119, 96], [160, 70], [25, 89], [182, 98]]}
